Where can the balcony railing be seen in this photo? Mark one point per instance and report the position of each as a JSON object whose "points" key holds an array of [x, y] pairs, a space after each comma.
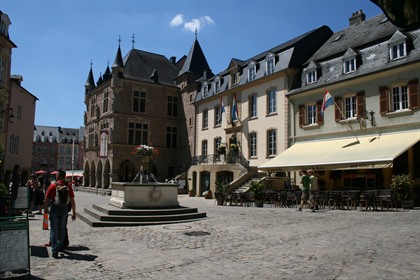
{"points": [[220, 159]]}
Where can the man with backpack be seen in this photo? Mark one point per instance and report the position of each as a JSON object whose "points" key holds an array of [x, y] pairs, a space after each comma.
{"points": [[59, 195]]}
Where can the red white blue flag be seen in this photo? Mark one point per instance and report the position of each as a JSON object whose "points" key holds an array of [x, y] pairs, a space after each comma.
{"points": [[222, 107], [327, 101], [234, 113]]}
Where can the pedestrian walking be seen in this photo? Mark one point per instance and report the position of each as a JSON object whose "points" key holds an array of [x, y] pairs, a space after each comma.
{"points": [[305, 188], [59, 195], [313, 190]]}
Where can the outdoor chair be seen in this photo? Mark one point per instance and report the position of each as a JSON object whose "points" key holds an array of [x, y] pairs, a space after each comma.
{"points": [[353, 198], [387, 198], [334, 200], [323, 199], [368, 200]]}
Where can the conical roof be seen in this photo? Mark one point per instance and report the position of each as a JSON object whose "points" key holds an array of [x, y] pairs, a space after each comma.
{"points": [[196, 62], [90, 82], [118, 62]]}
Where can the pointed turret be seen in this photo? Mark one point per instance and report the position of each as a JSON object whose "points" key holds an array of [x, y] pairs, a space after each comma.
{"points": [[117, 68], [107, 75], [118, 62], [100, 80], [196, 62], [90, 82]]}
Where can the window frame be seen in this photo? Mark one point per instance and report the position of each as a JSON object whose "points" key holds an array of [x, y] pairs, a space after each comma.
{"points": [[311, 76], [252, 107], [271, 101], [138, 129], [171, 136], [140, 101], [350, 106], [218, 116], [205, 120], [402, 96], [271, 142], [349, 65], [253, 144], [172, 106], [270, 61], [252, 73], [397, 50]]}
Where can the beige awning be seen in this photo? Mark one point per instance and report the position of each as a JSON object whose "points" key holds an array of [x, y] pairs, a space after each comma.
{"points": [[373, 151]]}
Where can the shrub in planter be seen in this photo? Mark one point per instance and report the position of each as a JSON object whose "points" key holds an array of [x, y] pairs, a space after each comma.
{"points": [[404, 188]]}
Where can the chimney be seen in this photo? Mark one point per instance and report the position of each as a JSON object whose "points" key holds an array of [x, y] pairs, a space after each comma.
{"points": [[173, 59], [357, 17]]}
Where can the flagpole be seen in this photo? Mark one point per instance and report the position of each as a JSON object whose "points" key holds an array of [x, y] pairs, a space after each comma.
{"points": [[344, 117]]}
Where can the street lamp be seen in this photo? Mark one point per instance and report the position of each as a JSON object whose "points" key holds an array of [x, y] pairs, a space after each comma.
{"points": [[72, 163], [11, 116]]}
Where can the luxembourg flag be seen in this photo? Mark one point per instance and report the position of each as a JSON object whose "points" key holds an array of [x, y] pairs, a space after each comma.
{"points": [[327, 101], [234, 109], [222, 107]]}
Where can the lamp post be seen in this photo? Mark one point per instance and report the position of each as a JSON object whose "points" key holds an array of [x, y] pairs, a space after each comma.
{"points": [[72, 163], [11, 116]]}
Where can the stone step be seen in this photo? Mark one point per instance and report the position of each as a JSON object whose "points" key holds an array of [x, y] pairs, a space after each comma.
{"points": [[137, 217], [112, 210]]}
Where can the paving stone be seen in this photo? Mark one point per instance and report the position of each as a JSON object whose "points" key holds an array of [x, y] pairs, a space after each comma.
{"points": [[236, 242]]}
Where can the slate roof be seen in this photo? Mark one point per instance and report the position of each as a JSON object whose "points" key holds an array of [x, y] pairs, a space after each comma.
{"points": [[196, 62], [369, 41], [140, 65], [291, 54], [55, 134]]}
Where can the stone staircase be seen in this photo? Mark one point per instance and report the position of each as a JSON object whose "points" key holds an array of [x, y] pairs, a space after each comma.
{"points": [[245, 186], [111, 216]]}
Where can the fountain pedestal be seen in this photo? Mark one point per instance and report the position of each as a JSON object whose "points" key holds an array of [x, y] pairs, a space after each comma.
{"points": [[137, 195]]}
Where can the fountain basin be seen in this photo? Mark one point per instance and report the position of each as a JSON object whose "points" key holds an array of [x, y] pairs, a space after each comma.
{"points": [[138, 196]]}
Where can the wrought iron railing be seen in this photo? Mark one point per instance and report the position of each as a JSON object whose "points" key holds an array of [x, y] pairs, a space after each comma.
{"points": [[220, 159]]}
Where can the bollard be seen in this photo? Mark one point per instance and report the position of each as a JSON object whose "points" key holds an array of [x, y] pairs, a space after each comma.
{"points": [[45, 222]]}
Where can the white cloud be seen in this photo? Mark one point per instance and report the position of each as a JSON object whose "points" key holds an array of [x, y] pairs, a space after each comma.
{"points": [[177, 20], [192, 25], [208, 19]]}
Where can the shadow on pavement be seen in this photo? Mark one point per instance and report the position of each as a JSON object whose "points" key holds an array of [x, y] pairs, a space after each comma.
{"points": [[79, 257], [77, 248], [39, 251]]}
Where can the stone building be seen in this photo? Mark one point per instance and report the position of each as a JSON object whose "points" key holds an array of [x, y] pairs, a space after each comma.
{"points": [[136, 102]]}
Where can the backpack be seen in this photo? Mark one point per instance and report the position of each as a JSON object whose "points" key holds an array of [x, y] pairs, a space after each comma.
{"points": [[62, 198]]}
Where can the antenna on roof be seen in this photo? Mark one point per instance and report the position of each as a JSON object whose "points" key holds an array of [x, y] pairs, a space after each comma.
{"points": [[133, 41]]}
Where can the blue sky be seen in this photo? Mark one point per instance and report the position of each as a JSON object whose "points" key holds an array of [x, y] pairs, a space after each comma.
{"points": [[57, 39]]}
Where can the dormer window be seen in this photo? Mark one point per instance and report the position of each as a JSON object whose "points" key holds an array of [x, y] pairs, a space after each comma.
{"points": [[397, 51], [270, 65], [397, 46], [234, 77], [311, 73], [252, 73], [311, 76], [217, 86], [349, 65], [205, 90]]}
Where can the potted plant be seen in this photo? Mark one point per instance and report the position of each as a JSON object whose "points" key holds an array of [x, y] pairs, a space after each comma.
{"points": [[208, 194], [191, 192], [220, 193], [234, 149], [404, 188], [221, 150], [257, 189]]}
